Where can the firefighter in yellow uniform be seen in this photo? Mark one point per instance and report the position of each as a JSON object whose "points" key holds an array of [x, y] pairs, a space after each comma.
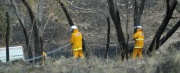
{"points": [[139, 43], [76, 42]]}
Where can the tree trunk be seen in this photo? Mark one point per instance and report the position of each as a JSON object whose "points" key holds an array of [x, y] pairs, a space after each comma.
{"points": [[7, 37], [39, 21], [21, 21], [85, 51], [138, 11], [169, 12], [163, 40], [116, 20], [67, 13], [108, 38], [41, 46], [135, 14], [127, 24], [35, 30]]}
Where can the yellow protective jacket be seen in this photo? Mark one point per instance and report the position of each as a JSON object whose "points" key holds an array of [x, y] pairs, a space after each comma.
{"points": [[76, 40], [139, 39]]}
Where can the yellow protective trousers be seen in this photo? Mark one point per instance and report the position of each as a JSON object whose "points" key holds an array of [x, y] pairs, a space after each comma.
{"points": [[78, 53], [137, 51]]}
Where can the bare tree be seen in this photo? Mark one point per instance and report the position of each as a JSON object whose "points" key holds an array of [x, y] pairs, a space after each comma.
{"points": [[138, 11], [35, 31], [116, 20], [21, 21], [39, 21], [66, 13], [127, 24], [169, 34], [156, 43], [7, 37], [108, 38]]}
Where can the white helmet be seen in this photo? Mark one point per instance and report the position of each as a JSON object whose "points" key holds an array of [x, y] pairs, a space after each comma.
{"points": [[74, 27], [139, 27]]}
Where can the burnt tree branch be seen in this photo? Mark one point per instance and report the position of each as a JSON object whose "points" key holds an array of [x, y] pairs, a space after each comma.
{"points": [[66, 13], [169, 11], [35, 29], [116, 20], [138, 11], [21, 21], [7, 37], [71, 24], [169, 34]]}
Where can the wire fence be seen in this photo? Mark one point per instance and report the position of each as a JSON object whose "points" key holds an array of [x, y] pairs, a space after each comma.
{"points": [[50, 52]]}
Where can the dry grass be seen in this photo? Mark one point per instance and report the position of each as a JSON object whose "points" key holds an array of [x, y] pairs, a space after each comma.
{"points": [[168, 62], [159, 63]]}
